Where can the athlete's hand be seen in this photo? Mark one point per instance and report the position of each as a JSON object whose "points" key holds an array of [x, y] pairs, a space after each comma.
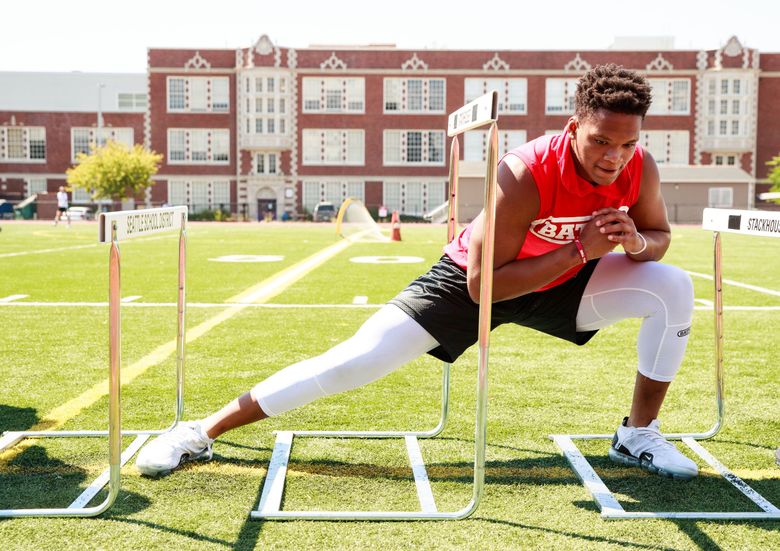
{"points": [[595, 242], [618, 227]]}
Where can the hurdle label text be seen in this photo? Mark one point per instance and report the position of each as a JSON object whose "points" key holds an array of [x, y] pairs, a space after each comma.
{"points": [[151, 221]]}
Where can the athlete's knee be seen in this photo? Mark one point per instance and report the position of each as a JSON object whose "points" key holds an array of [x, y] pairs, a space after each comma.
{"points": [[677, 288]]}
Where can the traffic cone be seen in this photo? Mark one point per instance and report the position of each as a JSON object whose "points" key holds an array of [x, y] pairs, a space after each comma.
{"points": [[395, 222]]}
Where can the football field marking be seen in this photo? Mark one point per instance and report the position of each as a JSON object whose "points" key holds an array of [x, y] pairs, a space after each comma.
{"points": [[74, 247], [260, 292], [11, 298], [739, 284]]}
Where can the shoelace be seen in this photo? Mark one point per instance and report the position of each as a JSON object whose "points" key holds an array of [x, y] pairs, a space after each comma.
{"points": [[657, 441], [176, 437]]}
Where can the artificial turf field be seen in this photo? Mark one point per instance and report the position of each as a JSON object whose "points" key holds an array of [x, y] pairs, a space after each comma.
{"points": [[51, 354]]}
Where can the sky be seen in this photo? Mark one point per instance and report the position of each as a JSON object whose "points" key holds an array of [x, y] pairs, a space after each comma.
{"points": [[111, 36]]}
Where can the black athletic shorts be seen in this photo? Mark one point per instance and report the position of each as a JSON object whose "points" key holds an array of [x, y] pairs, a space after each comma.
{"points": [[439, 301]]}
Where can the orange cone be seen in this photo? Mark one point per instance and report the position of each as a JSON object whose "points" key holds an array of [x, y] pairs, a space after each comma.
{"points": [[395, 223]]}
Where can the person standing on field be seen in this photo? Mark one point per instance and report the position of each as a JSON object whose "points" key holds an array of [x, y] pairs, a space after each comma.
{"points": [[62, 206]]}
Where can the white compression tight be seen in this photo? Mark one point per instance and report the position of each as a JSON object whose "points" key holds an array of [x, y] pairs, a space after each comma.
{"points": [[619, 288], [385, 342], [660, 294]]}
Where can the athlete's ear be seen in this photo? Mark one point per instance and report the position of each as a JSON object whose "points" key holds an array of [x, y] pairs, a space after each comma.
{"points": [[571, 127]]}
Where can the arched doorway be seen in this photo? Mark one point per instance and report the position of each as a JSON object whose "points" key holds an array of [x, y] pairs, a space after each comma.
{"points": [[266, 204]]}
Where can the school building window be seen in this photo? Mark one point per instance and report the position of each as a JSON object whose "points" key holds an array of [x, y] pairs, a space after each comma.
{"points": [[267, 163], [199, 195], [333, 147], [333, 191], [198, 94], [475, 143], [334, 95], [23, 144], [414, 198], [667, 147], [82, 139], [414, 95], [413, 147], [512, 93], [670, 96], [198, 146], [559, 96], [131, 102]]}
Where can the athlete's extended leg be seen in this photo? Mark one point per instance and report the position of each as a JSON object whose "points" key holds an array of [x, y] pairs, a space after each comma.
{"points": [[663, 296], [385, 342]]}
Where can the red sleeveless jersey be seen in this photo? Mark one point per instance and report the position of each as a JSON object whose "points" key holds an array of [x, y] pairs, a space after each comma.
{"points": [[566, 200]]}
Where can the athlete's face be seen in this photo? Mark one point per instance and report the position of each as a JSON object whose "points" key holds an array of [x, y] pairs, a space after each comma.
{"points": [[603, 143]]}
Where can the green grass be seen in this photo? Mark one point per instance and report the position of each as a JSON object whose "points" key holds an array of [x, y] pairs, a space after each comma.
{"points": [[51, 354]]}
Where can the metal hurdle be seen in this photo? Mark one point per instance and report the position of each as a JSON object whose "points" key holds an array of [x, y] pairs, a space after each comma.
{"points": [[113, 228], [480, 112], [747, 222]]}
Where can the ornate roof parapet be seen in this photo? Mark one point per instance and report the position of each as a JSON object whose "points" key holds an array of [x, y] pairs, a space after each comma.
{"points": [[577, 64], [660, 63], [197, 62], [496, 64], [414, 63], [333, 62]]}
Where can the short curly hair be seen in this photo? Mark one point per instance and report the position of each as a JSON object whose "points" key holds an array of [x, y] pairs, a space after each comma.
{"points": [[613, 88]]}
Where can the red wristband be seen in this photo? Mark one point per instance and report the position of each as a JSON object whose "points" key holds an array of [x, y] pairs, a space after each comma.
{"points": [[581, 250]]}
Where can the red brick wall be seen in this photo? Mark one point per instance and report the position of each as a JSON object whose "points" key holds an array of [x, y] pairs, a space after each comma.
{"points": [[768, 135]]}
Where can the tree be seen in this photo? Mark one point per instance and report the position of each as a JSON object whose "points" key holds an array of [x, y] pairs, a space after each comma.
{"points": [[114, 171]]}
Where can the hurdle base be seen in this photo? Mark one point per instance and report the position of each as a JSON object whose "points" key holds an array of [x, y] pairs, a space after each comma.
{"points": [[612, 510], [77, 508], [269, 507]]}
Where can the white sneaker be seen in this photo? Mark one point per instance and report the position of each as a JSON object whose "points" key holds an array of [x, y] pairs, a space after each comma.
{"points": [[185, 442], [644, 447]]}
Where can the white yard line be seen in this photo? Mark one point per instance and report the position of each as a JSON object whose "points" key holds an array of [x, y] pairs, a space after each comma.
{"points": [[739, 284], [189, 305], [11, 298], [74, 247]]}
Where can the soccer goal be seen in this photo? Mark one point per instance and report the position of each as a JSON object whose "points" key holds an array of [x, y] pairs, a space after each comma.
{"points": [[746, 222], [355, 223], [113, 228], [480, 112]]}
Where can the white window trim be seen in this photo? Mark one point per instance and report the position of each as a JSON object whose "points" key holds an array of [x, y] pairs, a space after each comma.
{"points": [[503, 93], [720, 197], [569, 91], [108, 133], [427, 202], [667, 98], [323, 137], [318, 188], [320, 84], [385, 162], [211, 203], [210, 139], [26, 130], [402, 110], [209, 85]]}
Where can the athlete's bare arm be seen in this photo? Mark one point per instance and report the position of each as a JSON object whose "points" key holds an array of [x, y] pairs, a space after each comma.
{"points": [[517, 204]]}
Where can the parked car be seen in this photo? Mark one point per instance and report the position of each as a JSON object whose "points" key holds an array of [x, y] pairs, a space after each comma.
{"points": [[324, 212], [80, 213]]}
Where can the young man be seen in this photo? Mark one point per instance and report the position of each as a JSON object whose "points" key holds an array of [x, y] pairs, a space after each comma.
{"points": [[62, 206], [564, 203]]}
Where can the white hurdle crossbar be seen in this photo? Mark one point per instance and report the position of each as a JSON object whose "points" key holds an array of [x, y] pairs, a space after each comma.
{"points": [[113, 228], [478, 113], [747, 222]]}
